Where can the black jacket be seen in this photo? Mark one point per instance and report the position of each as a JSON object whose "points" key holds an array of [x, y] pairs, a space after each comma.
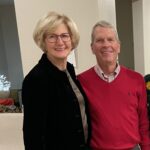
{"points": [[52, 119]]}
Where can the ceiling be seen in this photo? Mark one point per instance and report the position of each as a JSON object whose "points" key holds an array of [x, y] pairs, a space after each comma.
{"points": [[6, 2]]}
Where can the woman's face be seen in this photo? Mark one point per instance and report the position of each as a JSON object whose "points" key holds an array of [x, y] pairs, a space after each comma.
{"points": [[58, 44]]}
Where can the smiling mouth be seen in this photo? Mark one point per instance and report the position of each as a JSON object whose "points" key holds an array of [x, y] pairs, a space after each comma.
{"points": [[59, 49], [107, 52]]}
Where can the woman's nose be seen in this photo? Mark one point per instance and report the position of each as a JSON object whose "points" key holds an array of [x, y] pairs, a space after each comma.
{"points": [[59, 39]]}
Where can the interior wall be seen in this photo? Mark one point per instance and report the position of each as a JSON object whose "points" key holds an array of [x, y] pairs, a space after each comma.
{"points": [[146, 29], [12, 66], [85, 17], [138, 36], [28, 12], [3, 62], [107, 11], [141, 24], [125, 31]]}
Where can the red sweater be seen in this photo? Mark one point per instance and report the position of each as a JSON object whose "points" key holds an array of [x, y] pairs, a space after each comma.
{"points": [[118, 110]]}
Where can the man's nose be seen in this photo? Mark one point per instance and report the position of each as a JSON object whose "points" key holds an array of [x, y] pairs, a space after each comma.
{"points": [[106, 43]]}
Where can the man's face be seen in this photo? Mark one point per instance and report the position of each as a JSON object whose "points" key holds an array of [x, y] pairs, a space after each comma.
{"points": [[105, 46]]}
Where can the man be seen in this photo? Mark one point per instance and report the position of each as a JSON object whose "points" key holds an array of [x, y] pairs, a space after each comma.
{"points": [[117, 96]]}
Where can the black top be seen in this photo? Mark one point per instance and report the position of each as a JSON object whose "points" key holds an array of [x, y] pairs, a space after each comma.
{"points": [[52, 119]]}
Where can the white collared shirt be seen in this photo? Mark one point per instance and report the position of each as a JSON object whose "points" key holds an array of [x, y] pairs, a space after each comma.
{"points": [[107, 78]]}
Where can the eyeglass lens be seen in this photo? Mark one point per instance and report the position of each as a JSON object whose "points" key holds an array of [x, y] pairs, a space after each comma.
{"points": [[54, 37]]}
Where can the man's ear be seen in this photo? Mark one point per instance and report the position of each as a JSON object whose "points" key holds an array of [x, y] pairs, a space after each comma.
{"points": [[92, 49], [118, 48]]}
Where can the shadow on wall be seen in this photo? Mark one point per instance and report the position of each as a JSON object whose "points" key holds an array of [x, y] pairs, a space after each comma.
{"points": [[10, 58]]}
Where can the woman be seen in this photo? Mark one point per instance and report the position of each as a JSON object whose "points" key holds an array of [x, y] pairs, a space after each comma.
{"points": [[55, 115]]}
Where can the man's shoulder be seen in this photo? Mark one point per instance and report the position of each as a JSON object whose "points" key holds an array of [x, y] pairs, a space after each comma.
{"points": [[86, 78], [132, 73], [86, 72]]}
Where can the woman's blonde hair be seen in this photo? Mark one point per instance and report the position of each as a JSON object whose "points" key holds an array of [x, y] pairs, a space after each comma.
{"points": [[48, 24]]}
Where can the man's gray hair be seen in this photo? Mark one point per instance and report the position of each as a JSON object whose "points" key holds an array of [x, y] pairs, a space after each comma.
{"points": [[104, 24]]}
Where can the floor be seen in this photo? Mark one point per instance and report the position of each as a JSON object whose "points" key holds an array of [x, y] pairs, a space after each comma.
{"points": [[11, 137]]}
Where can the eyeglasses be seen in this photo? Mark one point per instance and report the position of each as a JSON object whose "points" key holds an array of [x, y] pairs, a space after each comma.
{"points": [[52, 38]]}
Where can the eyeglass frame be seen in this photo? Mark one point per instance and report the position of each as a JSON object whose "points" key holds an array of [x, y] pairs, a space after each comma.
{"points": [[52, 38]]}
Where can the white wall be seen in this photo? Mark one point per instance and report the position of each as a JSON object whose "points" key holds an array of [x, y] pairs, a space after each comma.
{"points": [[107, 11], [141, 24], [138, 36], [11, 137], [146, 29], [85, 14]]}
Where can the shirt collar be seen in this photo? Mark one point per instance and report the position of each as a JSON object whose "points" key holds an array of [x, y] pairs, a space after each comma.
{"points": [[108, 78]]}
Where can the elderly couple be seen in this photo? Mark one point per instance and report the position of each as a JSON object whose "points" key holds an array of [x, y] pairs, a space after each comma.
{"points": [[103, 108]]}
